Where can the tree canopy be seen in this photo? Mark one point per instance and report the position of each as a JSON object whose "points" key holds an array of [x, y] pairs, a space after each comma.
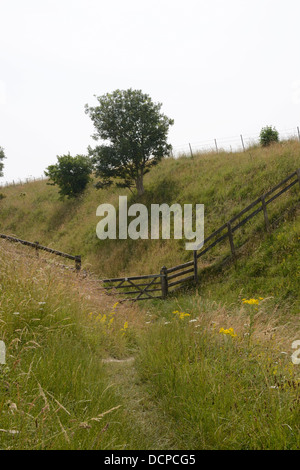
{"points": [[134, 131], [71, 174]]}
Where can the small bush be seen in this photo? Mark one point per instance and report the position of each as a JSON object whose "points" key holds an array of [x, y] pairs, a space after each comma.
{"points": [[71, 174], [268, 135]]}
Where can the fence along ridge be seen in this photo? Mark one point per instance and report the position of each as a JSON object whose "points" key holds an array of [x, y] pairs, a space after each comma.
{"points": [[144, 289]]}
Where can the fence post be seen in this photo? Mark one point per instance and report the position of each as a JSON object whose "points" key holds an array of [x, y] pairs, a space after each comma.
{"points": [[264, 206], [195, 267], [216, 146], [298, 132], [164, 282], [230, 236], [242, 142], [37, 248], [191, 151], [78, 263], [298, 174]]}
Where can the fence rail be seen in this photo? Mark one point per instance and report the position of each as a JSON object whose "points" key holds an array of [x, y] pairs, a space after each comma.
{"points": [[38, 247], [145, 290], [158, 286], [171, 279]]}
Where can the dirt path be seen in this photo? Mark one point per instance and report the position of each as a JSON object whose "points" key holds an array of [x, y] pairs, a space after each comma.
{"points": [[155, 433]]}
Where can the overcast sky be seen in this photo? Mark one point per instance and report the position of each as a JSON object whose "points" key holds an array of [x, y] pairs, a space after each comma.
{"points": [[221, 68]]}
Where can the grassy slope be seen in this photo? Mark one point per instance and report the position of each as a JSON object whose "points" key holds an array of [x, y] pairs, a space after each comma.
{"points": [[189, 388], [210, 390], [223, 392], [225, 183], [55, 392]]}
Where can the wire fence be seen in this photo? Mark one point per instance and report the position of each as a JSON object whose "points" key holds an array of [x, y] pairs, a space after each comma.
{"points": [[20, 182], [237, 143]]}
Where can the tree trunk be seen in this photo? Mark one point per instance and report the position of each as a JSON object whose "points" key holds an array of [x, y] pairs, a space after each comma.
{"points": [[140, 184]]}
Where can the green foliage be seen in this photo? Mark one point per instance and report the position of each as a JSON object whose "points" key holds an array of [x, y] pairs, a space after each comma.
{"points": [[268, 135], [71, 174], [2, 156], [220, 390], [192, 385], [136, 132], [54, 391], [70, 224]]}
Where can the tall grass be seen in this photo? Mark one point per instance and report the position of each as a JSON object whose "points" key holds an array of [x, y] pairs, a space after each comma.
{"points": [[54, 391], [207, 387], [225, 384], [267, 265], [213, 388]]}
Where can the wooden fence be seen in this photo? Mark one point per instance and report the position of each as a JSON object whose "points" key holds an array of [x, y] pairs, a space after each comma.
{"points": [[38, 247], [170, 279], [158, 286], [141, 287]]}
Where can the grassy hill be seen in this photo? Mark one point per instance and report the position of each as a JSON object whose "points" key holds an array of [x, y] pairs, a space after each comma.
{"points": [[225, 183], [208, 368]]}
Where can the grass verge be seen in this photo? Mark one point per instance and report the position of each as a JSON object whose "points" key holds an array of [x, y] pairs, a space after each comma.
{"points": [[224, 378]]}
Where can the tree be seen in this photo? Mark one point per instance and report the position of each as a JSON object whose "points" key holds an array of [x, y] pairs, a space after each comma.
{"points": [[268, 135], [2, 156], [135, 132], [71, 174]]}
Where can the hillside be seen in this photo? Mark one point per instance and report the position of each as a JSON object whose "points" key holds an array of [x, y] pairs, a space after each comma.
{"points": [[225, 183], [207, 368], [85, 372]]}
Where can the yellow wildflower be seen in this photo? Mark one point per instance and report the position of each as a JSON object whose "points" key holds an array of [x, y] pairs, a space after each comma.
{"points": [[229, 331], [251, 301], [181, 315], [125, 327]]}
